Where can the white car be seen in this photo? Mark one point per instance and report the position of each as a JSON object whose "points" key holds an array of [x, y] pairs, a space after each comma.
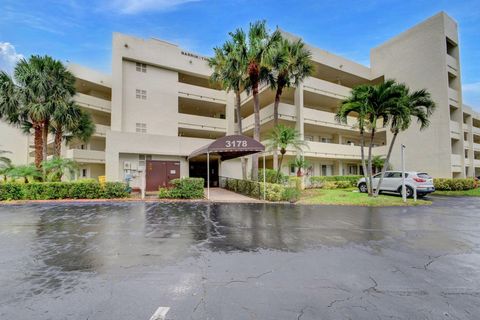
{"points": [[392, 182]]}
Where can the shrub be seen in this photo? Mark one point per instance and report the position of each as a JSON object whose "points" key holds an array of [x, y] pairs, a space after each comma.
{"points": [[164, 193], [255, 189], [343, 184], [446, 184], [318, 181], [62, 190], [295, 182], [187, 188], [291, 194], [329, 185], [271, 176]]}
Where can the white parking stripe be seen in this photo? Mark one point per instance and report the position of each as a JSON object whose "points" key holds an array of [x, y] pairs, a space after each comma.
{"points": [[160, 314]]}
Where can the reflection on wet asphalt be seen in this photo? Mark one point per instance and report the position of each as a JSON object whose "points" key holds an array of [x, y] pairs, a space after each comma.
{"points": [[240, 261]]}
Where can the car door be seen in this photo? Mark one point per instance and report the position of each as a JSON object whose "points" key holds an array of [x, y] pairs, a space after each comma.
{"points": [[394, 181], [376, 179]]}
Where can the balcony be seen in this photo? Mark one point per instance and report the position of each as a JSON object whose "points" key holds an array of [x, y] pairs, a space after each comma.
{"points": [[476, 163], [455, 129], [201, 93], [327, 119], [456, 160], [452, 65], [101, 130], [476, 130], [189, 121], [92, 102], [86, 156], [453, 96], [285, 112], [476, 146], [339, 151], [326, 88]]}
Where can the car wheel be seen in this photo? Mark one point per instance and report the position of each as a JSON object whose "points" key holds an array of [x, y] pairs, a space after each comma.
{"points": [[409, 191], [362, 187]]}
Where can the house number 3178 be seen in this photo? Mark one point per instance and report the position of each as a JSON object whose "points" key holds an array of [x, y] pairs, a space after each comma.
{"points": [[235, 143]]}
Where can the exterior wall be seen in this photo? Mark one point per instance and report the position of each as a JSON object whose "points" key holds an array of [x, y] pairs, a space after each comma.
{"points": [[16, 143], [418, 58]]}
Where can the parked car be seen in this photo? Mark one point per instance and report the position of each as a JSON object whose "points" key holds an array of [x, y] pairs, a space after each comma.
{"points": [[392, 182]]}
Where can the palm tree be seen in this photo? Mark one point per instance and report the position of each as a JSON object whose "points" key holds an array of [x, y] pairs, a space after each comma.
{"points": [[283, 137], [377, 163], [56, 167], [83, 128], [301, 164], [255, 50], [417, 104], [291, 64], [64, 119], [5, 164], [356, 105], [229, 69], [25, 172]]}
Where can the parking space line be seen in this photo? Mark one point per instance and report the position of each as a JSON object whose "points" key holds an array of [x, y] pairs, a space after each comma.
{"points": [[160, 313]]}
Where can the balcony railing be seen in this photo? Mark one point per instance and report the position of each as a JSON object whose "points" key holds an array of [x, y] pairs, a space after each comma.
{"points": [[285, 112], [323, 118], [201, 123], [89, 156], [91, 102], [201, 93], [101, 130], [452, 63], [326, 88], [453, 95], [456, 160], [455, 127]]}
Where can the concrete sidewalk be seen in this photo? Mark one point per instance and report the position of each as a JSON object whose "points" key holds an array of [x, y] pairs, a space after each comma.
{"points": [[223, 195]]}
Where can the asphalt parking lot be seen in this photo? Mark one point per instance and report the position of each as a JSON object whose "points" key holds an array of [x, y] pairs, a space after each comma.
{"points": [[240, 261]]}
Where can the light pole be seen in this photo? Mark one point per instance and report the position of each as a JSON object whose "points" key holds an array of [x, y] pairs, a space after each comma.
{"points": [[404, 193]]}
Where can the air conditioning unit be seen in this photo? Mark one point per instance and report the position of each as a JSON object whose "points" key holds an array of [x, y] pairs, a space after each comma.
{"points": [[127, 165]]}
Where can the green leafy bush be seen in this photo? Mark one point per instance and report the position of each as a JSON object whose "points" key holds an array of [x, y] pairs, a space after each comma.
{"points": [[271, 176], [184, 188], [295, 182], [291, 194], [62, 190], [318, 181], [446, 184], [343, 184], [255, 189]]}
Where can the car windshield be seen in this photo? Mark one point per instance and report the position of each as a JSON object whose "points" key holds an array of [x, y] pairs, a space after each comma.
{"points": [[423, 175]]}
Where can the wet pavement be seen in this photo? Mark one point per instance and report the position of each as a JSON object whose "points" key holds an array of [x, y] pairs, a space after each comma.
{"points": [[240, 261]]}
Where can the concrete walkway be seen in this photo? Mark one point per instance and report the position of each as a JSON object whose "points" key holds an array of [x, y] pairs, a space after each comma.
{"points": [[223, 195]]}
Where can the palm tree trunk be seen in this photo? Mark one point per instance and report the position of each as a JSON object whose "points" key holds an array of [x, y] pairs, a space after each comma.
{"points": [[362, 155], [38, 144], [58, 142], [282, 153], [256, 131], [386, 163], [240, 130], [45, 139], [275, 122], [370, 174]]}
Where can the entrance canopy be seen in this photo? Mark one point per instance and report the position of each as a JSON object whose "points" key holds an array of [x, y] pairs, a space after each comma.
{"points": [[229, 147]]}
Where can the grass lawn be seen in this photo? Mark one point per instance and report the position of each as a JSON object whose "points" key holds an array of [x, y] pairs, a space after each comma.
{"points": [[463, 193], [352, 197]]}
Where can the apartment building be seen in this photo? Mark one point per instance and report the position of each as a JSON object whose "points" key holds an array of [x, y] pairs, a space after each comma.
{"points": [[159, 105]]}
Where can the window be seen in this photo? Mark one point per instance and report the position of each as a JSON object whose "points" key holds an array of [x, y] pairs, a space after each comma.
{"points": [[142, 160], [141, 67], [141, 127], [326, 169], [84, 173], [308, 138], [141, 94], [292, 169], [352, 169], [326, 140]]}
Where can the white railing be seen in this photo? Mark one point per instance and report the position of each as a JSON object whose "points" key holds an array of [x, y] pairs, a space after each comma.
{"points": [[285, 112], [476, 162], [196, 92], [456, 160], [82, 155], [476, 130], [453, 94], [326, 88], [101, 130], [452, 62], [476, 146], [454, 126], [93, 102], [201, 123], [318, 117]]}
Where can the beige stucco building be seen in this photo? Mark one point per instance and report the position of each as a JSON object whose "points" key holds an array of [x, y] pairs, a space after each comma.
{"points": [[158, 106]]}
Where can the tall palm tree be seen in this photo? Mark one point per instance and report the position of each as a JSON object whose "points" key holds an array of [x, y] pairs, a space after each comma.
{"points": [[356, 105], [229, 69], [83, 128], [64, 119], [291, 64], [417, 105], [283, 137], [255, 49], [56, 167]]}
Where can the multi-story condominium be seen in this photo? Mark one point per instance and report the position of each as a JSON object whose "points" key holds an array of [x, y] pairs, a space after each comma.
{"points": [[159, 105]]}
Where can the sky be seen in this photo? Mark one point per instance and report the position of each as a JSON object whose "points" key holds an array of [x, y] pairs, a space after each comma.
{"points": [[80, 31]]}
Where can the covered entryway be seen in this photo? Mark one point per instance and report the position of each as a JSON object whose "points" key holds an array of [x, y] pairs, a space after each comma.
{"points": [[160, 173], [197, 168], [225, 148]]}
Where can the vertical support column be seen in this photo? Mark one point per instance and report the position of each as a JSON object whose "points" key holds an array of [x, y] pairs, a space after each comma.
{"points": [[471, 152], [208, 175], [298, 100], [264, 179], [340, 167], [230, 114]]}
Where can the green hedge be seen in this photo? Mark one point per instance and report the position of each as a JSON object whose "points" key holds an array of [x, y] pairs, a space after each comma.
{"points": [[271, 176], [445, 184], [255, 189], [338, 181], [185, 188], [62, 190]]}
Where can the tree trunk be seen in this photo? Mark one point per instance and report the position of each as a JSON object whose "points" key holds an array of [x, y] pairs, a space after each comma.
{"points": [[240, 130], [46, 123], [275, 122], [282, 153], [362, 155], [58, 142], [38, 144], [370, 173], [386, 163], [256, 131]]}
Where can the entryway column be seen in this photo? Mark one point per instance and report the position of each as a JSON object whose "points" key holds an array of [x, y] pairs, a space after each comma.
{"points": [[298, 100]]}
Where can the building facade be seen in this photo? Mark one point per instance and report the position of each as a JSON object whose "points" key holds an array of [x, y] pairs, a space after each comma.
{"points": [[159, 105]]}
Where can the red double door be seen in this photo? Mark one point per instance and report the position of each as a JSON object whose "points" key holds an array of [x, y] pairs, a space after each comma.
{"points": [[160, 173]]}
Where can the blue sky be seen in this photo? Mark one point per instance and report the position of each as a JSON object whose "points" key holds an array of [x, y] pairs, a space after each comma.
{"points": [[80, 31]]}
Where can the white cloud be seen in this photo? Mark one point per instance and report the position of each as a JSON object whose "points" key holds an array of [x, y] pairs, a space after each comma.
{"points": [[8, 57], [471, 94], [137, 6]]}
